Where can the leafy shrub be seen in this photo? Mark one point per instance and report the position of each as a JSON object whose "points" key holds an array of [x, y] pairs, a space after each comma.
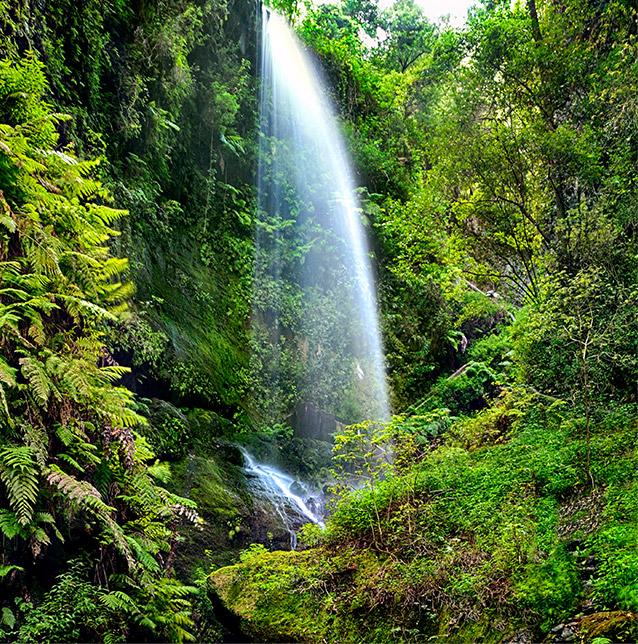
{"points": [[466, 391], [73, 610]]}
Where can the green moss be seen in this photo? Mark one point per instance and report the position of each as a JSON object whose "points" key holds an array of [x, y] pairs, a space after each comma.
{"points": [[304, 596], [216, 485], [210, 485], [274, 597]]}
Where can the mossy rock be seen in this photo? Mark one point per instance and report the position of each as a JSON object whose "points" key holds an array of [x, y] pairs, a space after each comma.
{"points": [[216, 485], [272, 595], [211, 432], [615, 626], [307, 596]]}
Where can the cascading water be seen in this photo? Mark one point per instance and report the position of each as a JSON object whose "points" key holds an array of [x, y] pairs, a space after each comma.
{"points": [[293, 501], [315, 319], [314, 287]]}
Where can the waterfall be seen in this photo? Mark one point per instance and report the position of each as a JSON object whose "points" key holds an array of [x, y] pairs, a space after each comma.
{"points": [[317, 342], [315, 299]]}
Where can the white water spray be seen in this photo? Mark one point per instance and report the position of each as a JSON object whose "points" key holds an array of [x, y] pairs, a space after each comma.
{"points": [[310, 237], [315, 317], [292, 500]]}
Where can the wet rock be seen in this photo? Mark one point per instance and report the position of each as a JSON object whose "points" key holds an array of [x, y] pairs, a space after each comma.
{"points": [[524, 637], [564, 633]]}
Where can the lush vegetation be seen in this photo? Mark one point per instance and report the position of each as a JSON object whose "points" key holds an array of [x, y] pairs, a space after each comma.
{"points": [[498, 169]]}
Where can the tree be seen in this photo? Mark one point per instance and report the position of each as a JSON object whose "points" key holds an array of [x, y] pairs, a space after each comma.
{"points": [[365, 12], [409, 34], [580, 343]]}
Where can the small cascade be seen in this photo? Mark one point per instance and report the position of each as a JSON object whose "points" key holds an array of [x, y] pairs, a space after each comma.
{"points": [[293, 501]]}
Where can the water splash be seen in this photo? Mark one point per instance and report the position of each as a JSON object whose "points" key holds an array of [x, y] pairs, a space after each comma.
{"points": [[315, 299], [293, 501]]}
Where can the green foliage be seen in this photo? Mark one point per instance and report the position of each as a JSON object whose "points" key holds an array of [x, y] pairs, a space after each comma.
{"points": [[71, 465], [490, 528], [410, 34], [167, 431], [464, 391], [77, 609], [499, 165], [580, 341], [19, 473], [162, 90], [499, 169], [73, 610]]}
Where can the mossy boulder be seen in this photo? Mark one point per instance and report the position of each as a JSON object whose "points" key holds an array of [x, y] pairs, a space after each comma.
{"points": [[301, 596]]}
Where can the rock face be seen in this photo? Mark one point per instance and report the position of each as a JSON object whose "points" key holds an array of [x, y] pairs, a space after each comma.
{"points": [[233, 516], [309, 421], [564, 633]]}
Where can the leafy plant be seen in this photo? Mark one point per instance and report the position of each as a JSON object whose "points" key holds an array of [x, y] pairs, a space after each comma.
{"points": [[71, 464]]}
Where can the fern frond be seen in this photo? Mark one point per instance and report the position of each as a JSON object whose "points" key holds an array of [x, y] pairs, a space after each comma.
{"points": [[7, 373], [5, 570], [143, 556], [9, 525], [87, 497], [20, 472], [4, 404], [119, 601], [39, 381], [71, 461], [79, 307], [105, 214], [80, 492]]}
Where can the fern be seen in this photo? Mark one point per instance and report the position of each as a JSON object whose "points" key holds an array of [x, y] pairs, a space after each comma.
{"points": [[7, 373], [80, 492], [19, 472], [5, 570], [39, 381], [9, 525], [69, 460], [143, 556], [75, 451], [119, 601], [87, 497]]}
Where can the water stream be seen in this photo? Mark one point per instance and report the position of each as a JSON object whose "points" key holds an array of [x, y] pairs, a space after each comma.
{"points": [[315, 309], [293, 501]]}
